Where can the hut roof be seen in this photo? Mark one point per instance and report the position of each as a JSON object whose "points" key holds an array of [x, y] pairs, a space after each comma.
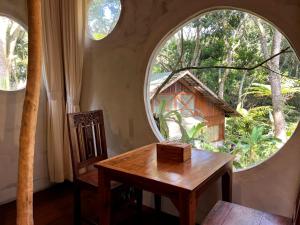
{"points": [[189, 79]]}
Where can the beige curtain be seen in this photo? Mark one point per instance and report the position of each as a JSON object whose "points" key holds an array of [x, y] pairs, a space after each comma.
{"points": [[63, 41], [73, 26], [54, 82]]}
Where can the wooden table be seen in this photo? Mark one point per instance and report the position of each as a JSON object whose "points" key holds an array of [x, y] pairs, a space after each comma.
{"points": [[181, 182]]}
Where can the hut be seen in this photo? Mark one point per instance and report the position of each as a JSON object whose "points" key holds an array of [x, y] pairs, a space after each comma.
{"points": [[195, 102]]}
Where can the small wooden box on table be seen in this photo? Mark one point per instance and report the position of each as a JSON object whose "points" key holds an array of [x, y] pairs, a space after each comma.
{"points": [[178, 152]]}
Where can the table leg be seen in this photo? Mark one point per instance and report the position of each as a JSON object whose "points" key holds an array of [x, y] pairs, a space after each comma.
{"points": [[157, 203], [187, 208], [227, 186], [104, 198]]}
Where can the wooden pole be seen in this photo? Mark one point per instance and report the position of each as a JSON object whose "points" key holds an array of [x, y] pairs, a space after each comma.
{"points": [[29, 116]]}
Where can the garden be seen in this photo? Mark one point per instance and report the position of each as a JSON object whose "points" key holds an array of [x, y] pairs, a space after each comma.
{"points": [[246, 62]]}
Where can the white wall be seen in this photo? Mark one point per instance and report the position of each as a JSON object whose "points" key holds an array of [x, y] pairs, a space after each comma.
{"points": [[11, 105], [115, 69]]}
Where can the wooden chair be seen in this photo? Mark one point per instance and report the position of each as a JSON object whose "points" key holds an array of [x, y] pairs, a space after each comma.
{"points": [[88, 146], [232, 214]]}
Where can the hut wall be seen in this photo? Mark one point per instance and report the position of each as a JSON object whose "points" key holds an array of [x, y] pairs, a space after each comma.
{"points": [[202, 107]]}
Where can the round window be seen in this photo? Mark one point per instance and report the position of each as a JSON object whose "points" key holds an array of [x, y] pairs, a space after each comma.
{"points": [[226, 81], [103, 16], [13, 55]]}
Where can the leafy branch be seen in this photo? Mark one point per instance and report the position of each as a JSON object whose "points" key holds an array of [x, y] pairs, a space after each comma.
{"points": [[261, 64]]}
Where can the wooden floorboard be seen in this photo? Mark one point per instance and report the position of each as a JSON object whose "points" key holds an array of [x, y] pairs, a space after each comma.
{"points": [[54, 207]]}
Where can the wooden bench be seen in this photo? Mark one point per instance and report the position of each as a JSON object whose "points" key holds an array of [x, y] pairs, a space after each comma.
{"points": [[225, 213]]}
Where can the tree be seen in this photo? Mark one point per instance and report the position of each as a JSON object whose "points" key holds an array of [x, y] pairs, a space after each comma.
{"points": [[274, 78], [231, 43]]}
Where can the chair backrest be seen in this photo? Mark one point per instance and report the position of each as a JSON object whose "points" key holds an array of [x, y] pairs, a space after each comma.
{"points": [[87, 139]]}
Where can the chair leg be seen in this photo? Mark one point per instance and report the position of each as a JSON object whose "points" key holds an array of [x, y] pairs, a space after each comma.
{"points": [[139, 199], [157, 203], [77, 208]]}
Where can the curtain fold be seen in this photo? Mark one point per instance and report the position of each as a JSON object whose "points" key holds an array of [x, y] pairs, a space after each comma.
{"points": [[73, 26], [63, 46], [54, 83]]}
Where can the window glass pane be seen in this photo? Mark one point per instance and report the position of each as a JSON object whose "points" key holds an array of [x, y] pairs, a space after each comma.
{"points": [[169, 101], [13, 55], [186, 104], [103, 16]]}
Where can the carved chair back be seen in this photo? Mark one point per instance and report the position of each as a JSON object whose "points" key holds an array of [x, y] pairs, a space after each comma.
{"points": [[87, 139]]}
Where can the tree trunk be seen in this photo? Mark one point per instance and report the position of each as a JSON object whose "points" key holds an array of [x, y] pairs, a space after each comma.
{"points": [[263, 40], [241, 88], [275, 82], [197, 50], [274, 79], [180, 50], [229, 58], [223, 78], [29, 116]]}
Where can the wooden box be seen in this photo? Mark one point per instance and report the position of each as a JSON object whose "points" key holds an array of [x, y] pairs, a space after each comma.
{"points": [[174, 151]]}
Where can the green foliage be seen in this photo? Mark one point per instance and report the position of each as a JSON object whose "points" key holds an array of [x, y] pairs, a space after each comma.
{"points": [[161, 118], [187, 135], [288, 88], [196, 131], [98, 36], [250, 137], [20, 59]]}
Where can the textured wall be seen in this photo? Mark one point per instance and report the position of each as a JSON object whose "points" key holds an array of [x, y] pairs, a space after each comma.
{"points": [[115, 69], [11, 105]]}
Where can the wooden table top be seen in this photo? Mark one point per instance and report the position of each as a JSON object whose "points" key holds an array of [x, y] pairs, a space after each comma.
{"points": [[188, 175]]}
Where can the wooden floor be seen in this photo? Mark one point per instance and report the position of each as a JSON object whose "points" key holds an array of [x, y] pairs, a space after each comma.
{"points": [[54, 207]]}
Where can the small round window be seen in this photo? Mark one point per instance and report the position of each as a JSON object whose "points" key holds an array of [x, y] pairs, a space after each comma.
{"points": [[13, 55], [102, 17], [226, 81]]}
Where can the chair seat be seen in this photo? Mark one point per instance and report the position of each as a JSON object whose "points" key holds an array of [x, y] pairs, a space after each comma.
{"points": [[232, 214], [91, 178]]}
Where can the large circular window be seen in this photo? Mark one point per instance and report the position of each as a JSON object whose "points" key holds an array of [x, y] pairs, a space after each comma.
{"points": [[13, 55], [226, 81], [103, 16]]}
